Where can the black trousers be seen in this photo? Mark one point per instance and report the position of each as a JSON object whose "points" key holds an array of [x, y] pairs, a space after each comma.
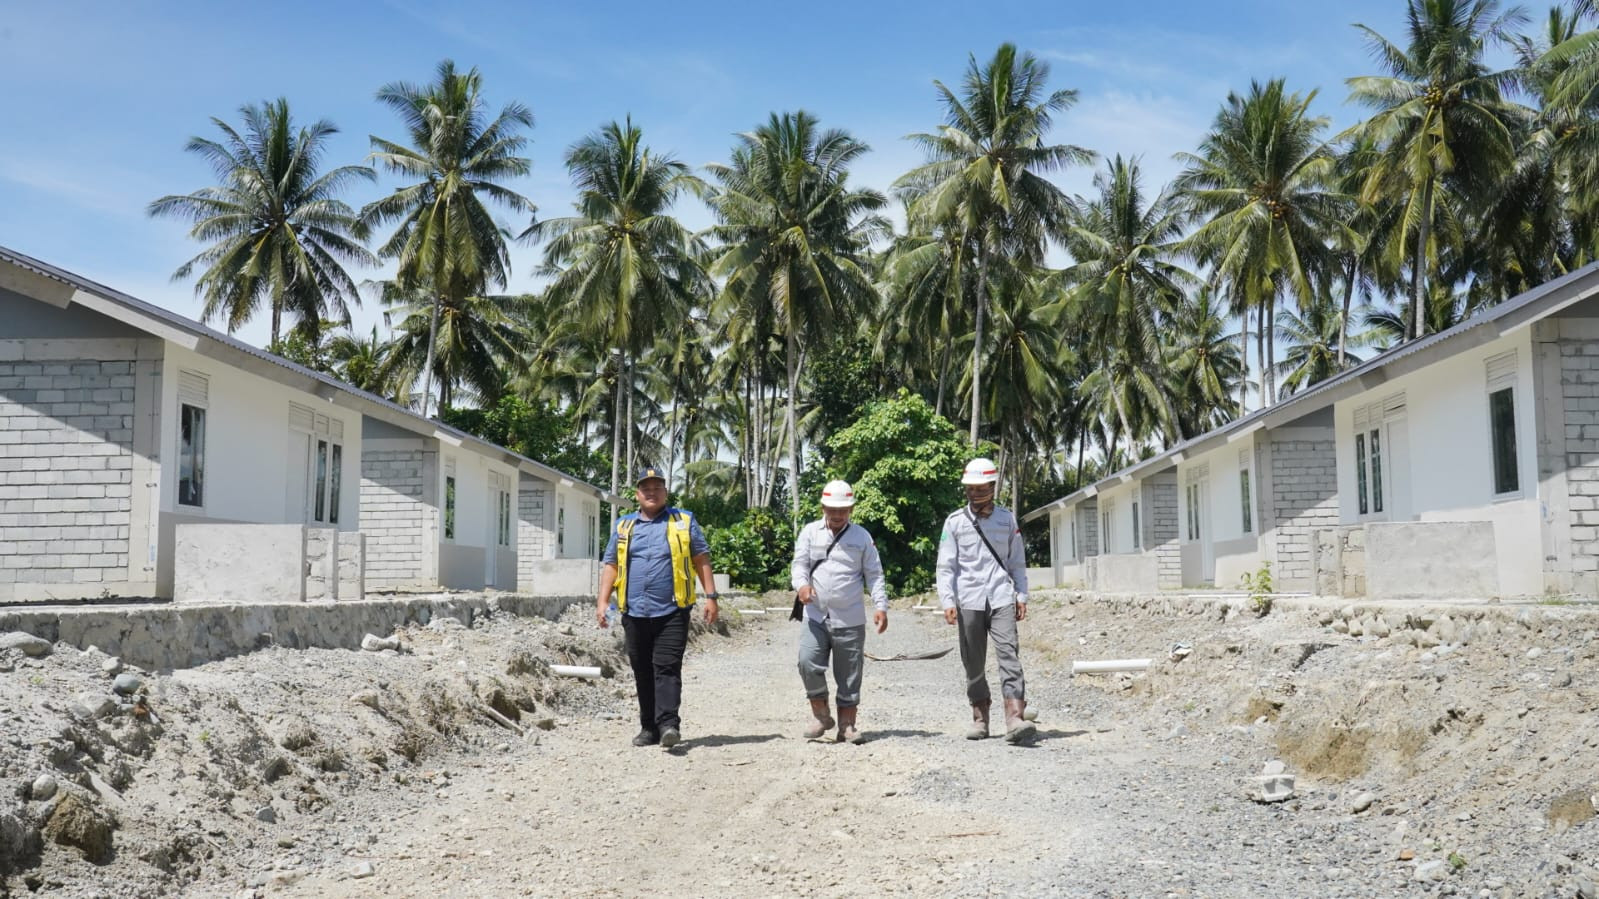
{"points": [[655, 649]]}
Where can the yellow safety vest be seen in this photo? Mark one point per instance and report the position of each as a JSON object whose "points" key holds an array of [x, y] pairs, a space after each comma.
{"points": [[677, 537]]}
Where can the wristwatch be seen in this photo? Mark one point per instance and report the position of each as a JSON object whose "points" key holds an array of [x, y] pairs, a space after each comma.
{"points": [[713, 596]]}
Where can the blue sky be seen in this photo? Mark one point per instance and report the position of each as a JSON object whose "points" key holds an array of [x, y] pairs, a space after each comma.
{"points": [[100, 97]]}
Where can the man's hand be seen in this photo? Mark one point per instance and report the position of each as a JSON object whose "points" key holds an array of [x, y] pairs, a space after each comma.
{"points": [[950, 615], [1021, 611], [600, 608], [881, 620], [807, 594], [711, 612]]}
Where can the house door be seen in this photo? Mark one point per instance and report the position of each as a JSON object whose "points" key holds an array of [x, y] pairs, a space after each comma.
{"points": [[298, 508], [1207, 546], [491, 540]]}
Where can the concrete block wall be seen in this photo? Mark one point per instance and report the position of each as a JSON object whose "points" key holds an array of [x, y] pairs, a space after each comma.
{"points": [[1088, 528], [1579, 390], [1341, 561], [1160, 529], [535, 542], [352, 566], [66, 466], [1304, 498], [395, 514]]}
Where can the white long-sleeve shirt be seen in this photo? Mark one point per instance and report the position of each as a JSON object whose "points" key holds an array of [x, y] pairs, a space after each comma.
{"points": [[968, 574], [842, 578]]}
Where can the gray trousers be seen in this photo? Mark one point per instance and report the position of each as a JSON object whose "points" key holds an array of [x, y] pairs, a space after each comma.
{"points": [[846, 646], [977, 627]]}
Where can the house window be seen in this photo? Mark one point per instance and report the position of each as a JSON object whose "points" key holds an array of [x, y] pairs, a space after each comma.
{"points": [[1138, 539], [1244, 498], [1360, 472], [1377, 426], [335, 479], [560, 529], [191, 456], [1502, 423], [1193, 511], [319, 441], [593, 532], [505, 518], [449, 507], [1502, 418], [1104, 528]]}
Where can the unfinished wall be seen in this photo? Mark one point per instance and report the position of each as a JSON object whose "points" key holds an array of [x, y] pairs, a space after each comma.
{"points": [[67, 460], [398, 514], [1303, 499]]}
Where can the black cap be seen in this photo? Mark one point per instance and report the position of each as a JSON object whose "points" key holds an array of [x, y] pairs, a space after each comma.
{"points": [[649, 472]]}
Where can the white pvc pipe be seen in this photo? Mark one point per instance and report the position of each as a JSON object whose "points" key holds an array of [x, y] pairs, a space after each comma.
{"points": [[924, 608], [750, 611], [583, 671], [1108, 665]]}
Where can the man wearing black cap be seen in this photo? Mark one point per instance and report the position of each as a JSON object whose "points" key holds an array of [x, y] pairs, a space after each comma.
{"points": [[651, 562]]}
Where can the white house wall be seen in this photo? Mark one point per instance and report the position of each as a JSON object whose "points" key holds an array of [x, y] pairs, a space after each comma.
{"points": [[463, 558], [1224, 551], [1447, 472], [248, 451]]}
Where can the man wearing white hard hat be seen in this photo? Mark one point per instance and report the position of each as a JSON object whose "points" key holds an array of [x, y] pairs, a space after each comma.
{"points": [[982, 586], [835, 565]]}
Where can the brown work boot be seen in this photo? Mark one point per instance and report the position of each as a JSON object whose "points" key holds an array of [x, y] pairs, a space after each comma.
{"points": [[821, 721], [1017, 728], [846, 726], [979, 730]]}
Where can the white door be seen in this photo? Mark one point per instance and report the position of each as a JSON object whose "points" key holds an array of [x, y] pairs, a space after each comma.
{"points": [[298, 509], [491, 542], [1207, 546]]}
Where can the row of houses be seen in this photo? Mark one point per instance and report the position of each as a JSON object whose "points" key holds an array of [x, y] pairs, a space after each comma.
{"points": [[144, 455], [1461, 465]]}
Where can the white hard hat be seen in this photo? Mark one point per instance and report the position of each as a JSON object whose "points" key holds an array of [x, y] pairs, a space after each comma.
{"points": [[980, 471], [838, 495]]}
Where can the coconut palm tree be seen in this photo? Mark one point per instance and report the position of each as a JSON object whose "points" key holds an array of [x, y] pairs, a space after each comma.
{"points": [[277, 231], [1260, 187], [1445, 129], [446, 242], [984, 177], [475, 343], [623, 267], [1311, 344], [1124, 287], [1204, 362], [360, 362], [794, 238]]}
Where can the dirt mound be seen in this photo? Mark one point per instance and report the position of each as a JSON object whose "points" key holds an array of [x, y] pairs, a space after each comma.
{"points": [[194, 770]]}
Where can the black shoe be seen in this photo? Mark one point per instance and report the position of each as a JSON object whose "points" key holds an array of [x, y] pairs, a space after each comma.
{"points": [[646, 738], [670, 737]]}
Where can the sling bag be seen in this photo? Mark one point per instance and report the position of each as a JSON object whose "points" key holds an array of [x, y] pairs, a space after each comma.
{"points": [[798, 612]]}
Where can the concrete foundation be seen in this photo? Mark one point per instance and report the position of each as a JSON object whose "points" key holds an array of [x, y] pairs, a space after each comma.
{"points": [[560, 577], [1431, 560], [164, 637], [1123, 573], [241, 563]]}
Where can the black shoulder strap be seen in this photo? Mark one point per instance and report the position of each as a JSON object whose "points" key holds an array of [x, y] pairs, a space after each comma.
{"points": [[992, 551], [836, 537]]}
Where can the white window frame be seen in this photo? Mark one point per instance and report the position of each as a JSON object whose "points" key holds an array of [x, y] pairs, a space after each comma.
{"points": [[447, 506], [1374, 424], [1501, 377], [1107, 517], [326, 447], [1246, 493], [500, 489], [560, 526], [1194, 527], [1138, 538], [194, 392]]}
